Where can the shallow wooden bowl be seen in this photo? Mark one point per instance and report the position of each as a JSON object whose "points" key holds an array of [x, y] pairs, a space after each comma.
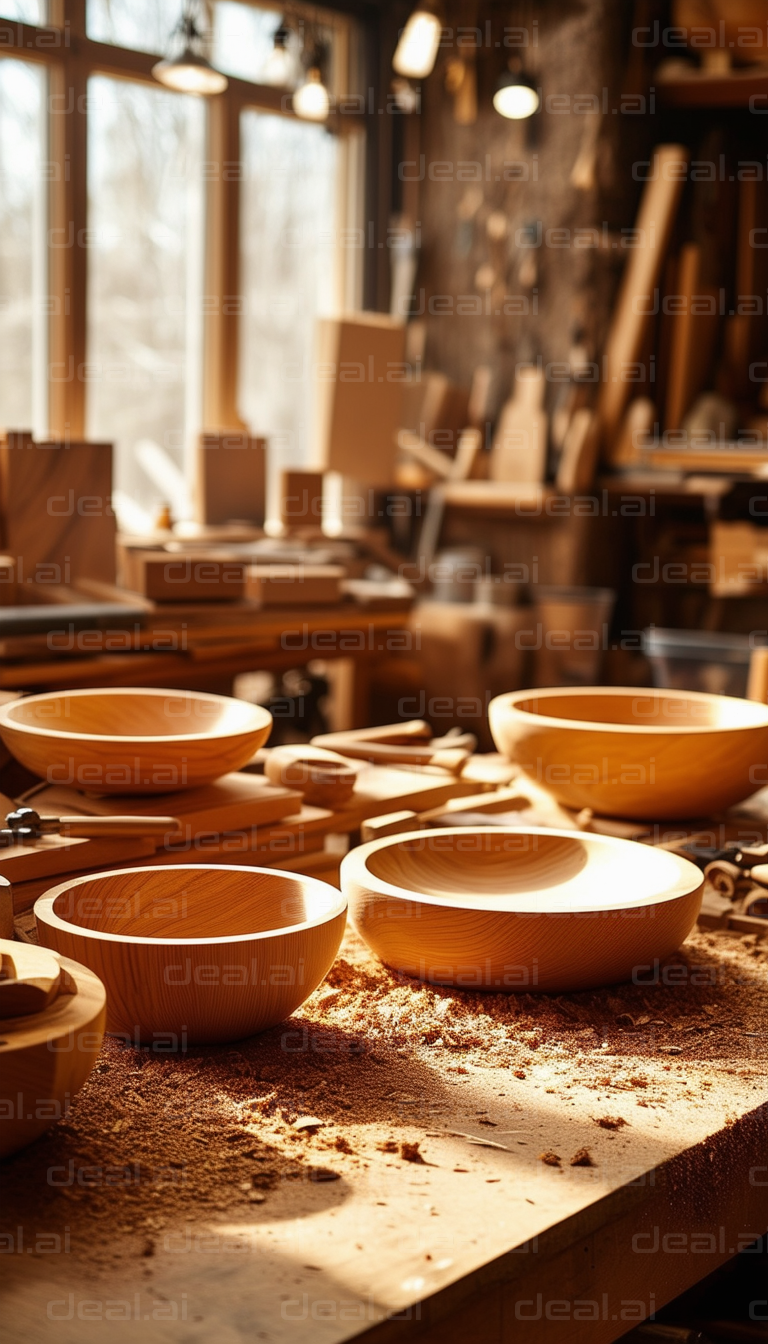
{"points": [[46, 1055], [506, 909], [635, 753], [197, 954], [119, 740]]}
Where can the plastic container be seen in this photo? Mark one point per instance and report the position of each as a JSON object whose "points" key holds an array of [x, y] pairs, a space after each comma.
{"points": [[699, 660], [571, 634]]}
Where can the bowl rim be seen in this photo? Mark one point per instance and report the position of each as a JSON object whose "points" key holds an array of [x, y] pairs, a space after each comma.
{"points": [[45, 903], [261, 717], [354, 868], [509, 700]]}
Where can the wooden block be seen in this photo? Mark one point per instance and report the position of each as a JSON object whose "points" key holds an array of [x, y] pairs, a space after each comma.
{"points": [[53, 856], [633, 310], [738, 556], [231, 479], [294, 585], [190, 576], [519, 451], [391, 823], [236, 801], [301, 499], [59, 525], [7, 581], [359, 365]]}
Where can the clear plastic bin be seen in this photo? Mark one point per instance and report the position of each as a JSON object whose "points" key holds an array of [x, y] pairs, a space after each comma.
{"points": [[699, 660]]}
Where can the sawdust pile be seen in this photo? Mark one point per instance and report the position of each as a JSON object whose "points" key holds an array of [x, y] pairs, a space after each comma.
{"points": [[357, 1075]]}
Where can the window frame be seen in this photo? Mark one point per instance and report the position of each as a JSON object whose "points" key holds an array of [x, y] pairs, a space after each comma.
{"points": [[71, 57]]}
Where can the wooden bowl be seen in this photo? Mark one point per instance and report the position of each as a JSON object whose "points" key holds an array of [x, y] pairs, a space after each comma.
{"points": [[502, 909], [46, 1052], [635, 753], [197, 954], [119, 740]]}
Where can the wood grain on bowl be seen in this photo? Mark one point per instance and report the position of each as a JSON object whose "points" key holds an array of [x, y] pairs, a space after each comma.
{"points": [[197, 953], [520, 909], [128, 741], [633, 752]]}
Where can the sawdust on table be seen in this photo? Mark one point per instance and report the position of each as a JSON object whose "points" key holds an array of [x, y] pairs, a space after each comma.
{"points": [[356, 1077]]}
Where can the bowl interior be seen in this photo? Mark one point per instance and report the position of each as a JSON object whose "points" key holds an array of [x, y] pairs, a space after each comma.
{"points": [[645, 709], [126, 713], [188, 903], [513, 870]]}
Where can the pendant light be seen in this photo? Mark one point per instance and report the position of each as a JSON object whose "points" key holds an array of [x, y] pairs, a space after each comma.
{"points": [[311, 101], [190, 71], [417, 48], [516, 95], [279, 66]]}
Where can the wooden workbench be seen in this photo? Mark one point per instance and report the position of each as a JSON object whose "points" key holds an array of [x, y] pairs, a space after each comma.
{"points": [[482, 1167], [204, 646], [421, 1208]]}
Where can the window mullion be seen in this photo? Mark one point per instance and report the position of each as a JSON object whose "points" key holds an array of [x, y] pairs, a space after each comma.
{"points": [[67, 251], [221, 326]]}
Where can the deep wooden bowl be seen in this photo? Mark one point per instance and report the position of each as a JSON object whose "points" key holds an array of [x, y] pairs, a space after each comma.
{"points": [[120, 740], [46, 1056], [505, 909], [635, 753], [197, 954]]}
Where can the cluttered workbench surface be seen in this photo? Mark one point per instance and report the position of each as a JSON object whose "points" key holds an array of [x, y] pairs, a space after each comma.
{"points": [[406, 1160], [403, 1161]]}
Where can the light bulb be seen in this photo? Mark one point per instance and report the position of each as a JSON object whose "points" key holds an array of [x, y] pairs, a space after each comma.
{"points": [[419, 41], [278, 67], [311, 101], [190, 73], [516, 99]]}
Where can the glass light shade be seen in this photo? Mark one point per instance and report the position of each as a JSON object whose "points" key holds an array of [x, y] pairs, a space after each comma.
{"points": [[419, 41], [311, 101], [515, 98], [190, 73], [279, 67]]}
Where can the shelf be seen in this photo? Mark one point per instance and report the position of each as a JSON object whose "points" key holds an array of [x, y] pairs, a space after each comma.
{"points": [[701, 89]]}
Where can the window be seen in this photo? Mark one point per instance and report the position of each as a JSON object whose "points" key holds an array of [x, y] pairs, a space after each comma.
{"points": [[289, 274], [144, 284], [23, 318], [163, 258], [142, 25]]}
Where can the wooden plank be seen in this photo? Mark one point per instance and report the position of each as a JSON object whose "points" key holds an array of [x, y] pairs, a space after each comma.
{"points": [[53, 857], [301, 499], [190, 576], [694, 331], [232, 478], [294, 585], [358, 366], [519, 452], [234, 802], [634, 305], [57, 507]]}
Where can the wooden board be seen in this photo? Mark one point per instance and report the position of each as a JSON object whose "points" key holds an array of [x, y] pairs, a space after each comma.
{"points": [[294, 585], [519, 451], [694, 331], [633, 309], [359, 363], [729, 458], [236, 801], [57, 509], [193, 576], [301, 499], [54, 855], [231, 478]]}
